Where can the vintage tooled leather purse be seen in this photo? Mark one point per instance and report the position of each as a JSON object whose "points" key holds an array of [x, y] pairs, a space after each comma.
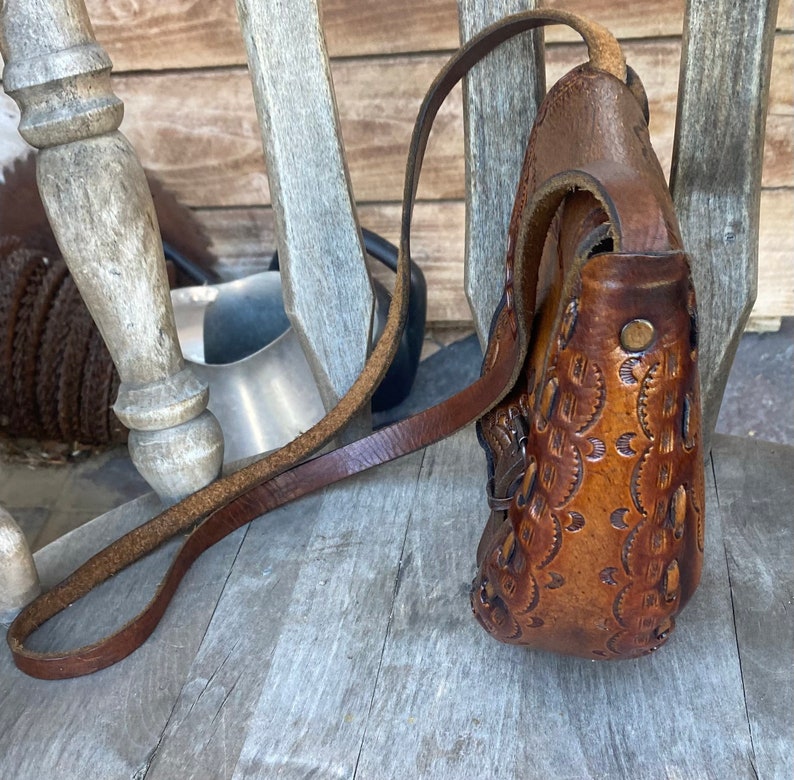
{"points": [[587, 406]]}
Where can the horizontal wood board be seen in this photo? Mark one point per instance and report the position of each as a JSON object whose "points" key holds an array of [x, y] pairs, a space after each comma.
{"points": [[197, 129], [313, 643], [158, 35]]}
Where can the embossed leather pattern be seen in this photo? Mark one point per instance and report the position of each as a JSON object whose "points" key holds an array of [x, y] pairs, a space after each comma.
{"points": [[595, 539]]}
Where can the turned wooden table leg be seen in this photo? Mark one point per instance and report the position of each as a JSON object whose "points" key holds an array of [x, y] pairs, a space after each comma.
{"points": [[101, 212]]}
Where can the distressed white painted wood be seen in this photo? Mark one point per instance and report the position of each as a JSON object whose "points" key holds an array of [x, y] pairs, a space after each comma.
{"points": [[19, 581], [716, 172], [315, 641], [101, 212], [327, 291], [501, 96]]}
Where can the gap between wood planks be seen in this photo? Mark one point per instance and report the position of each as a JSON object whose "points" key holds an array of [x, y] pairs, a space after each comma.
{"points": [[386, 633], [143, 771], [752, 756]]}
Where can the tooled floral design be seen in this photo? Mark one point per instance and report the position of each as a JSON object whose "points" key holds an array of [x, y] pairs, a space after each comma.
{"points": [[567, 404], [644, 606]]}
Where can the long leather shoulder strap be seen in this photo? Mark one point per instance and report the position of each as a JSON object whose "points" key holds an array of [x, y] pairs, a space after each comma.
{"points": [[237, 499]]}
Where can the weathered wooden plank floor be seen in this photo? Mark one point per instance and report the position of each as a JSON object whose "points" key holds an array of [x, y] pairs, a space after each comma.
{"points": [[333, 639]]}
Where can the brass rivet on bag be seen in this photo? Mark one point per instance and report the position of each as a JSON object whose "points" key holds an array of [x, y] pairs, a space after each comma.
{"points": [[636, 335]]}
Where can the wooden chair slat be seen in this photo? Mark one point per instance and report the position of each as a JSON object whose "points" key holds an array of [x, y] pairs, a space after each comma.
{"points": [[327, 291], [716, 172], [501, 96]]}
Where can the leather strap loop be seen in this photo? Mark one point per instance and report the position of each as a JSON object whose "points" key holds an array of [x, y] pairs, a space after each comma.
{"points": [[239, 498]]}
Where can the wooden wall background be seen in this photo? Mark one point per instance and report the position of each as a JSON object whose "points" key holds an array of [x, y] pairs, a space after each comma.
{"points": [[180, 69]]}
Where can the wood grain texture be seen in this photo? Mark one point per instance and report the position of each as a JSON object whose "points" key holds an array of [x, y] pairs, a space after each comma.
{"points": [[607, 720], [328, 295], [220, 692], [314, 642], [325, 668], [165, 34], [501, 96], [106, 726], [197, 130], [315, 603], [243, 240], [211, 155], [176, 34], [182, 34], [754, 491], [785, 17], [776, 250]]}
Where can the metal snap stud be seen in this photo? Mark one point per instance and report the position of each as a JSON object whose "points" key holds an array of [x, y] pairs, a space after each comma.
{"points": [[636, 335]]}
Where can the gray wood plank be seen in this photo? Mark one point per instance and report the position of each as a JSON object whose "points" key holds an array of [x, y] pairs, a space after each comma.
{"points": [[334, 639], [207, 727], [501, 96], [754, 486], [716, 171], [327, 291], [313, 708], [450, 702], [106, 724], [283, 681]]}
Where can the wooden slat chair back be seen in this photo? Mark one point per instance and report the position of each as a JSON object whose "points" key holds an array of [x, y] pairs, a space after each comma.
{"points": [[97, 200]]}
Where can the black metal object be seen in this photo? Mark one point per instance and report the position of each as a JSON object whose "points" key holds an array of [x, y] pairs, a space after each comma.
{"points": [[192, 270]]}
